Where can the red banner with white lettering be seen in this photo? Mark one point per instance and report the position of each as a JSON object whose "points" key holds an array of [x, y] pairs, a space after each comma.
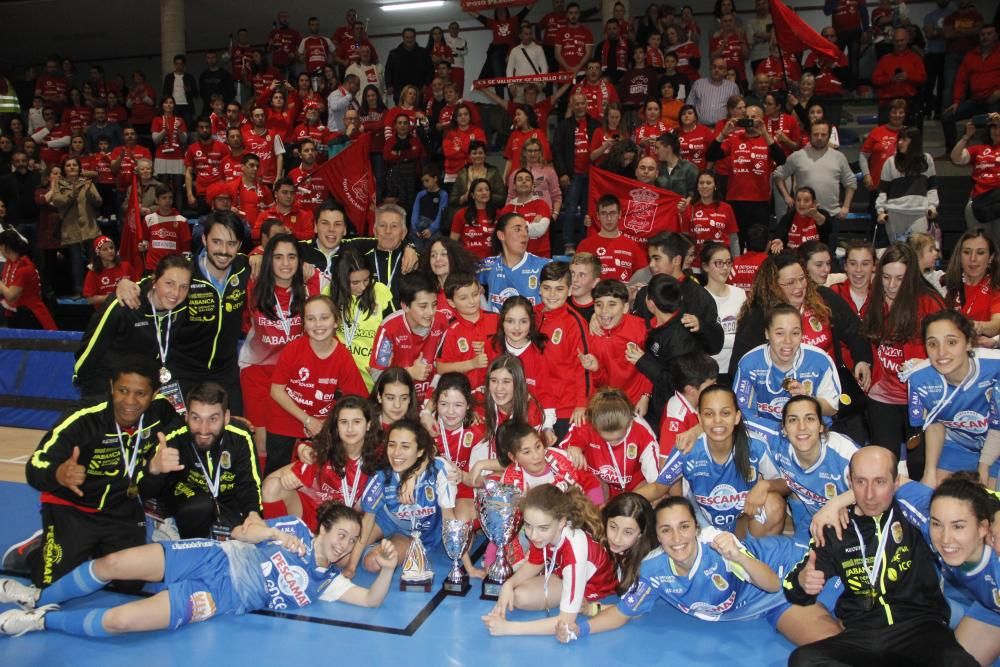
{"points": [[646, 210], [548, 77], [133, 231], [480, 5], [349, 179]]}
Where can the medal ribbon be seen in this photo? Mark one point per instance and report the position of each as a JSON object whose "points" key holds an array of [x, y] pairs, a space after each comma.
{"points": [[162, 342], [446, 450], [283, 319], [873, 571], [619, 475], [213, 484], [349, 496], [129, 463]]}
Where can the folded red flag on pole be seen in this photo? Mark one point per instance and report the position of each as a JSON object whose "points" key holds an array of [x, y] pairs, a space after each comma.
{"points": [[133, 231], [795, 35], [349, 179]]}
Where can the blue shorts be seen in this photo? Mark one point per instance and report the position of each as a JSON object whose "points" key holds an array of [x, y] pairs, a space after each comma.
{"points": [[827, 597], [955, 457], [196, 573], [981, 613], [430, 539]]}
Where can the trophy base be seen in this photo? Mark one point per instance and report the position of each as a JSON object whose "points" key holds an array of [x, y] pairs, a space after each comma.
{"points": [[417, 585], [491, 590], [460, 588]]}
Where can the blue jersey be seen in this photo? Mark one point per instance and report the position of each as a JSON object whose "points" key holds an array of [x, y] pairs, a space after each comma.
{"points": [[502, 281], [717, 490], [812, 487], [758, 382], [967, 411], [431, 492], [715, 589], [981, 581]]}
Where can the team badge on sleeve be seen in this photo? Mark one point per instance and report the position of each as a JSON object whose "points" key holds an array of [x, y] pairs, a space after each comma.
{"points": [[897, 532], [225, 460], [384, 354], [463, 345], [631, 451], [467, 440]]}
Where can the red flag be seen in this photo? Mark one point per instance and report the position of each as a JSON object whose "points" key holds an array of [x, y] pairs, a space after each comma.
{"points": [[133, 231], [646, 209], [481, 5], [349, 179], [795, 35]]}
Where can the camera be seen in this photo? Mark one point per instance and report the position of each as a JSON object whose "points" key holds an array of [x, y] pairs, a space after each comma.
{"points": [[746, 123], [980, 120]]}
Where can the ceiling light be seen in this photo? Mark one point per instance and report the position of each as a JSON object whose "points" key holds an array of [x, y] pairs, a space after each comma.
{"points": [[400, 6]]}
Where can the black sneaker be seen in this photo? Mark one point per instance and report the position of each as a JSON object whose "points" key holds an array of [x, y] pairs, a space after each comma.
{"points": [[15, 559]]}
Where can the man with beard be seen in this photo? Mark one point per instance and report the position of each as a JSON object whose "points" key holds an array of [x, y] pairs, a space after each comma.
{"points": [[202, 165], [205, 472], [205, 346]]}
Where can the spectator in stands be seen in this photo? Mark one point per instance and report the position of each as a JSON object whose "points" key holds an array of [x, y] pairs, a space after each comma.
{"points": [[102, 127], [408, 65], [17, 191], [613, 52], [708, 96], [77, 201], [824, 169], [934, 90], [525, 59], [729, 43], [141, 103], [638, 83], [403, 154], [651, 128], [525, 128], [147, 187], [574, 43], [985, 197], [572, 161], [899, 74], [459, 49], [675, 173], [214, 80], [977, 85], [908, 198], [369, 72], [202, 165], [457, 140], [759, 89], [599, 91], [478, 168], [20, 285], [850, 22], [759, 34], [182, 87]]}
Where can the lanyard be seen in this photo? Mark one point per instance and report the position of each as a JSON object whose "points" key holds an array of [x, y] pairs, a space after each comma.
{"points": [[349, 496], [549, 569], [349, 332], [389, 267], [446, 450], [283, 318], [213, 484], [619, 475], [946, 398], [162, 342], [129, 463], [873, 571]]}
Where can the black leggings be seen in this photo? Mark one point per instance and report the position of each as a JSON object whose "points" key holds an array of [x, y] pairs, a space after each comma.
{"points": [[890, 428], [910, 643], [279, 451]]}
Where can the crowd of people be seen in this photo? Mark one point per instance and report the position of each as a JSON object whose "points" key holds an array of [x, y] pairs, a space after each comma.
{"points": [[645, 319]]}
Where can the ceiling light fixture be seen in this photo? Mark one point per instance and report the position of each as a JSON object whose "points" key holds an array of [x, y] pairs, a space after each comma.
{"points": [[400, 6]]}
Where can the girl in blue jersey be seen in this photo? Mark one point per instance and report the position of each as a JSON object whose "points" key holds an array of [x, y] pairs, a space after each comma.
{"points": [[513, 270], [711, 575], [275, 564], [409, 494], [812, 459], [728, 472], [955, 397], [768, 375]]}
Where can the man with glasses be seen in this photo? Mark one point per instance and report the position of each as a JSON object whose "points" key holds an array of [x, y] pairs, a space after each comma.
{"points": [[620, 256]]}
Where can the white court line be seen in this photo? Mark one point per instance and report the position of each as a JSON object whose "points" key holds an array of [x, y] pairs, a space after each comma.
{"points": [[19, 460]]}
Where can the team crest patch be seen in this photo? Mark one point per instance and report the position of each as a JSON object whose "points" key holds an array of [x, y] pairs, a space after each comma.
{"points": [[557, 336], [225, 460], [892, 574], [720, 581], [830, 490], [201, 607], [897, 532], [631, 451], [234, 281], [807, 387], [467, 440], [463, 345], [429, 493], [815, 324], [532, 282]]}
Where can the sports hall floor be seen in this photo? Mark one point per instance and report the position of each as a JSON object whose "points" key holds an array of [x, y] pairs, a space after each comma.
{"points": [[410, 630]]}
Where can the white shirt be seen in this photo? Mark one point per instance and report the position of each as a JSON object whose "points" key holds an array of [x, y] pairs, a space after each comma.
{"points": [[337, 103], [518, 64], [459, 48], [179, 96]]}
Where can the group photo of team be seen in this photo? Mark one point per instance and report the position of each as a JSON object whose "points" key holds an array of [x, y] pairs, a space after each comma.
{"points": [[601, 325]]}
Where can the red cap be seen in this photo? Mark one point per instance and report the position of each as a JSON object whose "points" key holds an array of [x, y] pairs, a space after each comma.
{"points": [[101, 240], [216, 190], [311, 104]]}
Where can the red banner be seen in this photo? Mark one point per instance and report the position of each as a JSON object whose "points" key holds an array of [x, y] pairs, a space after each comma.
{"points": [[795, 35], [551, 77], [349, 179], [480, 5], [646, 209], [133, 231]]}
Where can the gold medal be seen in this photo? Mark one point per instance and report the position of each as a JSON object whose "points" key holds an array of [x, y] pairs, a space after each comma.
{"points": [[133, 490]]}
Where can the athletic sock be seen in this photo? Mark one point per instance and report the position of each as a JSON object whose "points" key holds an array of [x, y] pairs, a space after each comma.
{"points": [[275, 509], [77, 583], [80, 622]]}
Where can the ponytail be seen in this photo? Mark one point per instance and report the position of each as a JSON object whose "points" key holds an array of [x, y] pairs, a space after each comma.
{"points": [[571, 505]]}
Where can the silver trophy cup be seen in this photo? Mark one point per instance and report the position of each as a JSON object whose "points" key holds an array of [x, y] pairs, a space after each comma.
{"points": [[499, 514], [455, 535]]}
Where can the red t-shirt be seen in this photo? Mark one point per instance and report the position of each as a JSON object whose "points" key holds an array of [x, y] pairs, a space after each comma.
{"points": [[460, 340], [694, 145], [985, 168], [649, 131], [551, 25], [310, 189], [397, 344], [847, 17], [455, 147], [751, 168], [888, 357], [170, 148], [515, 143], [266, 146], [128, 157], [103, 282], [474, 236], [624, 466], [574, 41], [168, 235], [77, 118], [205, 158], [312, 383], [613, 369], [745, 269], [678, 417], [784, 123], [879, 146], [598, 95], [581, 148], [705, 223], [982, 302], [267, 337], [319, 133], [536, 370], [801, 230], [816, 333], [731, 47], [101, 163], [620, 256], [298, 221], [23, 274], [578, 557], [249, 202]]}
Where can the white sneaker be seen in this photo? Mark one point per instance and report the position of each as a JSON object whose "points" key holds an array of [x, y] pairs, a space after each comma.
{"points": [[17, 622], [20, 594]]}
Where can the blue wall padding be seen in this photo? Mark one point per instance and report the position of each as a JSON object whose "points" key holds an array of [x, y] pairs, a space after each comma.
{"points": [[39, 374]]}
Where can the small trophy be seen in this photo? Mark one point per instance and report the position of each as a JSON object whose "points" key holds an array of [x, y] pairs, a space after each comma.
{"points": [[417, 575], [499, 515], [455, 535]]}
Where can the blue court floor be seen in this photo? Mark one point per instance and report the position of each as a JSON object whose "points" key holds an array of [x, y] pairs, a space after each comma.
{"points": [[410, 630]]}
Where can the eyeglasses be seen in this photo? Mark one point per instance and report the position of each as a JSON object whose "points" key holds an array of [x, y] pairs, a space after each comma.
{"points": [[722, 263]]}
